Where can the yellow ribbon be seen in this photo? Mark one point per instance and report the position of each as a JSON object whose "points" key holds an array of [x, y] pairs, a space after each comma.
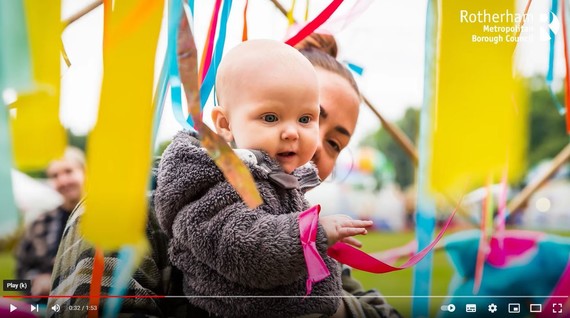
{"points": [[119, 148], [37, 133], [479, 120]]}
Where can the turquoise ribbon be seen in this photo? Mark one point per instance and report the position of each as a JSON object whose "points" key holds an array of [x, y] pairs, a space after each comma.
{"points": [[191, 5], [158, 100], [9, 217], [16, 74], [174, 16], [550, 72], [120, 281], [355, 68], [210, 78], [425, 209], [15, 66]]}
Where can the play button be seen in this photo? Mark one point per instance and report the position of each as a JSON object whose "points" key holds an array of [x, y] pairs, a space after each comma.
{"points": [[12, 308]]}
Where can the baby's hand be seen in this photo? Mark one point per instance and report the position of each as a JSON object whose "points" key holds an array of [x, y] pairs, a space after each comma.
{"points": [[340, 227]]}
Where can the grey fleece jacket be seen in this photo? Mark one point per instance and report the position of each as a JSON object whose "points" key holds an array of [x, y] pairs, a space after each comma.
{"points": [[226, 249]]}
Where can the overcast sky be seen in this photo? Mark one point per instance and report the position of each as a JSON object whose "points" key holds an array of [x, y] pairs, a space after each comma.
{"points": [[387, 41]]}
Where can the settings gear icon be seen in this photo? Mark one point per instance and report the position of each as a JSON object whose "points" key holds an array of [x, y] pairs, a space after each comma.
{"points": [[492, 308]]}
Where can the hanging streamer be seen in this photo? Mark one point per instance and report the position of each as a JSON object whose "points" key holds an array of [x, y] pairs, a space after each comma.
{"points": [[9, 215], [355, 68], [290, 17], [337, 23], [209, 44], [191, 6], [550, 73], [15, 67], [210, 78], [39, 108], [118, 170], [306, 10], [486, 217], [128, 260], [96, 278], [502, 209], [315, 23], [15, 74], [566, 34], [232, 167], [353, 257], [159, 99], [425, 209], [244, 33], [174, 15], [475, 114]]}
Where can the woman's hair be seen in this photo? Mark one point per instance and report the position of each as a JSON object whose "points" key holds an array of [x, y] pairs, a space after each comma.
{"points": [[321, 51]]}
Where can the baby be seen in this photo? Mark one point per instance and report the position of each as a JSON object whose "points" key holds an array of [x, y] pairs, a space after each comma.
{"points": [[241, 262]]}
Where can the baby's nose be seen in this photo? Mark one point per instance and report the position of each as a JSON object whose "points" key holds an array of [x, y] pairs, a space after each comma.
{"points": [[290, 133]]}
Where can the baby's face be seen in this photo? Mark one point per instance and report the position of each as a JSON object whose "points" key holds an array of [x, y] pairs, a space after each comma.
{"points": [[279, 117]]}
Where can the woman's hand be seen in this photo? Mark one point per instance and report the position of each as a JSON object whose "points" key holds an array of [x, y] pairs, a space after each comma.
{"points": [[340, 227]]}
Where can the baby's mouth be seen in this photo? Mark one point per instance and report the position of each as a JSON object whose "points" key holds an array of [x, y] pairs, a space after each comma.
{"points": [[286, 154]]}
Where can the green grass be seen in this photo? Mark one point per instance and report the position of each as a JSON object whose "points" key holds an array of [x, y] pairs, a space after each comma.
{"points": [[399, 283]]}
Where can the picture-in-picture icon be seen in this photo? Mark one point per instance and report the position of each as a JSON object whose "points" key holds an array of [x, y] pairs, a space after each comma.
{"points": [[514, 308]]}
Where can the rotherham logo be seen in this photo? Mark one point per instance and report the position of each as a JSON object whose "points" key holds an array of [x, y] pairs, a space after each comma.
{"points": [[550, 20]]}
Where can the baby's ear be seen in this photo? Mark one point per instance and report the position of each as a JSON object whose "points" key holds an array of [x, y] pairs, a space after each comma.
{"points": [[222, 123]]}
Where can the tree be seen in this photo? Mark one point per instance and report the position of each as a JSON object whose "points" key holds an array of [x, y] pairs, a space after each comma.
{"points": [[546, 135], [547, 127], [382, 140]]}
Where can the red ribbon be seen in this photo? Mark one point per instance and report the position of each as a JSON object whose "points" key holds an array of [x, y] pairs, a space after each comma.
{"points": [[317, 22]]}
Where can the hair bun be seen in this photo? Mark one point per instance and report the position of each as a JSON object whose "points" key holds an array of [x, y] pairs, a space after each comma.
{"points": [[319, 41]]}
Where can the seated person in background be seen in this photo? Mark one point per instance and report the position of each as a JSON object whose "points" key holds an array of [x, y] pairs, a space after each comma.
{"points": [[38, 248]]}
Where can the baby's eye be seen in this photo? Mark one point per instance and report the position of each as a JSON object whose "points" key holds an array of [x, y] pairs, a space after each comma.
{"points": [[305, 119], [270, 118]]}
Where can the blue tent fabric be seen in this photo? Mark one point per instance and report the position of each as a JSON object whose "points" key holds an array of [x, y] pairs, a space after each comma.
{"points": [[530, 279]]}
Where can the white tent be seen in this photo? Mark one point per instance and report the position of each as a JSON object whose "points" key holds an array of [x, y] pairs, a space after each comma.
{"points": [[33, 197]]}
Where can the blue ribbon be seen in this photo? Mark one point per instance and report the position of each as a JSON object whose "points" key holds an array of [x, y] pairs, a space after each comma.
{"points": [[174, 16], [550, 72], [425, 209], [9, 216], [158, 100], [210, 78], [355, 68], [120, 281], [191, 5]]}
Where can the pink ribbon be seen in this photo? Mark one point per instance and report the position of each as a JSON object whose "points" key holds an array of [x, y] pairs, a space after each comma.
{"points": [[358, 259], [316, 268]]}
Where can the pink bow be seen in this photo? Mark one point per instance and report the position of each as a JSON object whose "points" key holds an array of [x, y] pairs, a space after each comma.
{"points": [[316, 268]]}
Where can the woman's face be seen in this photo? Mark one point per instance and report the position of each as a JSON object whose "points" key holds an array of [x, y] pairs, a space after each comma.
{"points": [[337, 120]]}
